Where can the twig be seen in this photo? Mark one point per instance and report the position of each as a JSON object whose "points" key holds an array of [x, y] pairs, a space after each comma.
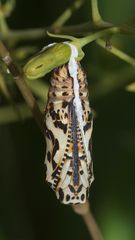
{"points": [[24, 89], [83, 29], [85, 212], [26, 34], [40, 33]]}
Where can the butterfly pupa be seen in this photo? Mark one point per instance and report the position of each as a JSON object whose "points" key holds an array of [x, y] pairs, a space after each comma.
{"points": [[68, 128]]}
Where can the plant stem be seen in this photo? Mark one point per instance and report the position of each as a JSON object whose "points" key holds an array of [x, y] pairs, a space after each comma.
{"points": [[40, 33], [85, 40], [79, 29], [24, 89], [3, 25], [85, 212], [83, 28], [95, 12], [27, 34]]}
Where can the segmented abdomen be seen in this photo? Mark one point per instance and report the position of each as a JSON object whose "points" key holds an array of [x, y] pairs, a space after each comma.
{"points": [[68, 160]]}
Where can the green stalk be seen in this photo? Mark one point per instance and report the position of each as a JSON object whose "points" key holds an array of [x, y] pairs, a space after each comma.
{"points": [[88, 39], [81, 42], [95, 12]]}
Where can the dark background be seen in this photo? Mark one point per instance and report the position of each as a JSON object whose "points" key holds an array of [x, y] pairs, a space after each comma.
{"points": [[28, 207]]}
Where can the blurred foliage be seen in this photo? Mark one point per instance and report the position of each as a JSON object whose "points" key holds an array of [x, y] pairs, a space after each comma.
{"points": [[29, 209]]}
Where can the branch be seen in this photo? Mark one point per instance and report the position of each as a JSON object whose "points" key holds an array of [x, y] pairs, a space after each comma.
{"points": [[22, 86], [85, 212], [26, 34], [40, 33], [82, 29]]}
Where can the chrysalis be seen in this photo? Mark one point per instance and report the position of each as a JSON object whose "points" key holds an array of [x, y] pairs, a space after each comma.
{"points": [[68, 123]]}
